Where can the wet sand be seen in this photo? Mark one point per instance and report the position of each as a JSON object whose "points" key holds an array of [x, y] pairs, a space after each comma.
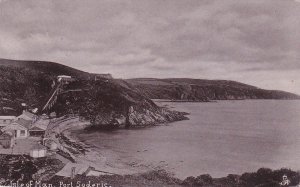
{"points": [[101, 158]]}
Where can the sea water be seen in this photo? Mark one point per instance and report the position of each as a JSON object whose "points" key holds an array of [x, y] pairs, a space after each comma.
{"points": [[221, 138]]}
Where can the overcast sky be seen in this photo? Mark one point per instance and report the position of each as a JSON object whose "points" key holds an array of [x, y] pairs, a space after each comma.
{"points": [[251, 41]]}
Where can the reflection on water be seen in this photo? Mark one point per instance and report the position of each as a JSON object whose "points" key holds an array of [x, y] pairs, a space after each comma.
{"points": [[220, 138]]}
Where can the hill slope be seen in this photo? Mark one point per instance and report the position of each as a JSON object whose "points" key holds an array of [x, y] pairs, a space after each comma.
{"points": [[111, 102], [203, 90], [102, 101], [49, 68]]}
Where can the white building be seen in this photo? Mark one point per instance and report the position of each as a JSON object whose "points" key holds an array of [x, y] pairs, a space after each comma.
{"points": [[65, 78], [38, 151], [19, 128]]}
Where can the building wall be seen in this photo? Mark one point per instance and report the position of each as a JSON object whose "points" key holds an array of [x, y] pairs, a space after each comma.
{"points": [[22, 133], [38, 153], [18, 130], [36, 133], [5, 122]]}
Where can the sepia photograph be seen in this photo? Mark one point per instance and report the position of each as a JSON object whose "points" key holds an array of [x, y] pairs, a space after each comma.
{"points": [[149, 93]]}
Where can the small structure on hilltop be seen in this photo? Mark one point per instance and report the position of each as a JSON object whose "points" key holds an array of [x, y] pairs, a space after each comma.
{"points": [[19, 128], [38, 151], [102, 76], [65, 79], [56, 90], [6, 139], [6, 120]]}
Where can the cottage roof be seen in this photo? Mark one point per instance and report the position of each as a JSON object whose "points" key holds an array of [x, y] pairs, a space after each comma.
{"points": [[36, 129], [28, 114], [24, 123], [41, 124], [64, 76], [38, 147], [20, 124]]}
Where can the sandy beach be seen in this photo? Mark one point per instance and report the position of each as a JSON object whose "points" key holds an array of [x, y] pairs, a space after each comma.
{"points": [[101, 158]]}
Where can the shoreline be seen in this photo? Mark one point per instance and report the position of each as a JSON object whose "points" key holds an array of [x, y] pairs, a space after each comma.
{"points": [[103, 159], [108, 159], [112, 150], [77, 150]]}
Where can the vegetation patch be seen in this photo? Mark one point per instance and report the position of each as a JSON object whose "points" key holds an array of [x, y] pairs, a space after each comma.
{"points": [[23, 168]]}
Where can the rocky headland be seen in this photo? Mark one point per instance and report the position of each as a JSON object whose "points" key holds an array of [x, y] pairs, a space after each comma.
{"points": [[102, 100], [201, 90]]}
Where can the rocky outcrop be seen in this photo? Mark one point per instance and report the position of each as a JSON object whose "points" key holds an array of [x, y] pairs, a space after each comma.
{"points": [[112, 104], [143, 116]]}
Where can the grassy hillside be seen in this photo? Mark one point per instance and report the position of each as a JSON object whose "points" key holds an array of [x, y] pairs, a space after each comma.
{"points": [[109, 102], [50, 68], [29, 82], [22, 85], [102, 101], [203, 90], [106, 100]]}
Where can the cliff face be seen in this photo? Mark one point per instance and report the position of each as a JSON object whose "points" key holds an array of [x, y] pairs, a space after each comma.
{"points": [[110, 103], [137, 116], [204, 90]]}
